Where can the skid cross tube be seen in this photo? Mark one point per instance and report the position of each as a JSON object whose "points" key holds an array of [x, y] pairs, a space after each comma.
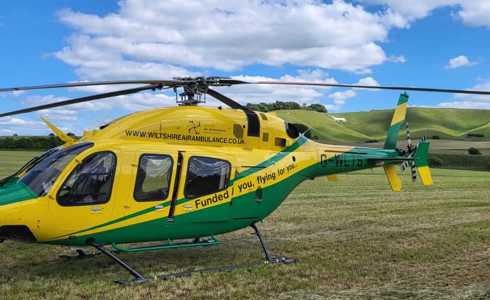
{"points": [[137, 276]]}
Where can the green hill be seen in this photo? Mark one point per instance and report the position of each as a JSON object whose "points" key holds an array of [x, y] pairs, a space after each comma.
{"points": [[323, 125], [447, 123]]}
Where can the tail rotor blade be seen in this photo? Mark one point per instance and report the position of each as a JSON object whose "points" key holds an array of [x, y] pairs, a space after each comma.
{"points": [[409, 139], [413, 171]]}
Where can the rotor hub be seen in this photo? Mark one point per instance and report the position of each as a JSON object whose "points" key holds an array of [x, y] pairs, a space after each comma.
{"points": [[194, 89]]}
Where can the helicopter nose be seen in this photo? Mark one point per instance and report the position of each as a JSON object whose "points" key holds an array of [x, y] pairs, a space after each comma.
{"points": [[15, 191]]}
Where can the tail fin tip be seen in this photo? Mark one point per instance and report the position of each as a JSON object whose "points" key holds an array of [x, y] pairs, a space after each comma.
{"points": [[397, 121]]}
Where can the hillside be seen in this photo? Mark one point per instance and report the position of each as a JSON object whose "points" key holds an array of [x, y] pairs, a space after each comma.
{"points": [[447, 123]]}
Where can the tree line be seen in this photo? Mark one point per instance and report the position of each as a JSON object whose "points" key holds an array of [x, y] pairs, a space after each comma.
{"points": [[288, 105], [29, 142]]}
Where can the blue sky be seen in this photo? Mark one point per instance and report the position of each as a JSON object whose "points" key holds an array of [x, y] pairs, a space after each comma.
{"points": [[427, 43]]}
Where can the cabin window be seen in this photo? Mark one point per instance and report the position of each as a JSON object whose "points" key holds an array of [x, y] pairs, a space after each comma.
{"points": [[206, 175], [153, 178], [90, 182]]}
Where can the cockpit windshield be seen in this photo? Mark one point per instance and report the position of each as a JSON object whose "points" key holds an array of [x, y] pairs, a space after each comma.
{"points": [[41, 173]]}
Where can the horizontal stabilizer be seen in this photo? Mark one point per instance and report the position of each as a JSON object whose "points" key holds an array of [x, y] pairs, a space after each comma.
{"points": [[393, 179]]}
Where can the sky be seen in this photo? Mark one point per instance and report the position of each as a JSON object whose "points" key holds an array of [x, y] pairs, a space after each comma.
{"points": [[430, 43]]}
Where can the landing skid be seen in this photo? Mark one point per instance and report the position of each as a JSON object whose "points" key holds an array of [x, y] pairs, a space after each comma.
{"points": [[139, 278], [169, 245], [271, 259]]}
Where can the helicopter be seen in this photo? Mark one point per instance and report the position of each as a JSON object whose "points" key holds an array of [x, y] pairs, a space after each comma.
{"points": [[182, 173]]}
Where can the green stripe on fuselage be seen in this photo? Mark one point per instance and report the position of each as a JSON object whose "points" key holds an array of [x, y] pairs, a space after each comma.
{"points": [[224, 218], [266, 163], [191, 224]]}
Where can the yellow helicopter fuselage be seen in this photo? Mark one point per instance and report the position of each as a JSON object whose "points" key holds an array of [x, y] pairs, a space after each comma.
{"points": [[214, 176]]}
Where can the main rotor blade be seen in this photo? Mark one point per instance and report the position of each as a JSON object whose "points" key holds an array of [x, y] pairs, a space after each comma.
{"points": [[396, 88], [90, 83], [82, 99], [176, 82], [228, 101], [252, 118]]}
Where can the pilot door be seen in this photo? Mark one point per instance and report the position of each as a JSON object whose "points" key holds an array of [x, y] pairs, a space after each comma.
{"points": [[85, 194], [204, 193]]}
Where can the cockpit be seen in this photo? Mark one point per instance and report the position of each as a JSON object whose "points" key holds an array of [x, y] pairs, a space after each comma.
{"points": [[36, 178]]}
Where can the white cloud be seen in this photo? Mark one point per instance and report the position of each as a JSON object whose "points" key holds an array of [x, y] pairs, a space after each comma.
{"points": [[143, 101], [368, 81], [59, 114], [163, 39], [13, 121], [398, 59], [342, 96], [11, 125], [470, 101], [476, 12], [158, 39], [411, 10], [270, 93], [149, 38], [471, 12], [339, 99], [459, 61]]}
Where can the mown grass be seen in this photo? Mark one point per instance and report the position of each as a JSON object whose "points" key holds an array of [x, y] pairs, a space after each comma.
{"points": [[354, 239]]}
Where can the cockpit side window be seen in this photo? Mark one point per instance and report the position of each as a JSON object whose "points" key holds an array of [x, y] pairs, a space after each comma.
{"points": [[206, 175], [41, 173], [91, 181], [153, 178]]}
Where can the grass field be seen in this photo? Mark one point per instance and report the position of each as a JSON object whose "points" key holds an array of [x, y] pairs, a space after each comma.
{"points": [[354, 239]]}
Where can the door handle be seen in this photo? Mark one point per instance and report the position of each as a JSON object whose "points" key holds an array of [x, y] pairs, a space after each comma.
{"points": [[96, 209]]}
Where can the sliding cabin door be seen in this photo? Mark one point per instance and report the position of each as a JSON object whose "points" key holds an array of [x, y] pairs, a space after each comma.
{"points": [[204, 193]]}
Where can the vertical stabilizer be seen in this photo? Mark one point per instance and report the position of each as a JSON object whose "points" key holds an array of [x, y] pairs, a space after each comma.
{"points": [[397, 122], [422, 163]]}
